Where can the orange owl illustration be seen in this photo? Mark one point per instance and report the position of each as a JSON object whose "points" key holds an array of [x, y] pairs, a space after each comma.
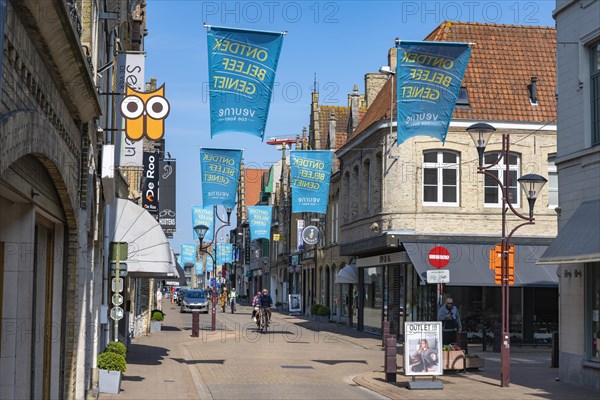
{"points": [[145, 113]]}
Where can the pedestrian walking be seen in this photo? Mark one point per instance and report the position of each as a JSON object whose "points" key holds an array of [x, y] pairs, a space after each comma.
{"points": [[450, 318]]}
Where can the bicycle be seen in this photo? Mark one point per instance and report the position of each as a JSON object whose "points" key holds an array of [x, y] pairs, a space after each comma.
{"points": [[263, 319], [232, 305]]}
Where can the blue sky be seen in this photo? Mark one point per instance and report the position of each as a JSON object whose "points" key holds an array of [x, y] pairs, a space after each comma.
{"points": [[339, 41]]}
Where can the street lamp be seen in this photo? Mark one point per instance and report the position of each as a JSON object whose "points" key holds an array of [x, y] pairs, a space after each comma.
{"points": [[532, 185], [201, 232]]}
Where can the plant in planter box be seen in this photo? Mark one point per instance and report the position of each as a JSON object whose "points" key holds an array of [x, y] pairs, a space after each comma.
{"points": [[157, 315], [116, 347], [314, 309], [323, 312], [156, 318], [111, 365], [473, 361]]}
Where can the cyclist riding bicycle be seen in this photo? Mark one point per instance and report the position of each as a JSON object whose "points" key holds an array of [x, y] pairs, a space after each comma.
{"points": [[255, 305], [232, 299], [224, 299], [266, 301]]}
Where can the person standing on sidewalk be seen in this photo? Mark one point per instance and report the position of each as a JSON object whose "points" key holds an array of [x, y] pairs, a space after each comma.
{"points": [[450, 318], [159, 297]]}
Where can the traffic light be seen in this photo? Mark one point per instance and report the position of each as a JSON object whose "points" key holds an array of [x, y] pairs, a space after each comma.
{"points": [[496, 264]]}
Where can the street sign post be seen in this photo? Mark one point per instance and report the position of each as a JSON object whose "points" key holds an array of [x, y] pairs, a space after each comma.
{"points": [[116, 313], [114, 285], [438, 257], [122, 269], [438, 276], [117, 299]]}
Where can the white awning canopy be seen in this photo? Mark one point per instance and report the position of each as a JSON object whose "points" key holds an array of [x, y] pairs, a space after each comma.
{"points": [[348, 274], [149, 254]]}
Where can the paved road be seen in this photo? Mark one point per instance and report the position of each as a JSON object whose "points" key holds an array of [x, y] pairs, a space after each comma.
{"points": [[289, 362], [292, 361]]}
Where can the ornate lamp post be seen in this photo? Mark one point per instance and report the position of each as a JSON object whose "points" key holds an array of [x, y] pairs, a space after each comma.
{"points": [[532, 185], [201, 232]]}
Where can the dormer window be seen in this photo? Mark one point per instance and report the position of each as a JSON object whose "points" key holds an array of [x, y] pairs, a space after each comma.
{"points": [[463, 97]]}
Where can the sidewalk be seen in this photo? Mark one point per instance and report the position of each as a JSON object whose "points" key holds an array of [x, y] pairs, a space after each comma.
{"points": [[327, 361]]}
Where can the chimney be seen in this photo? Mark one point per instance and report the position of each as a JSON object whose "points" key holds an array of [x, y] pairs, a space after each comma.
{"points": [[392, 57], [533, 91], [354, 104], [332, 123]]}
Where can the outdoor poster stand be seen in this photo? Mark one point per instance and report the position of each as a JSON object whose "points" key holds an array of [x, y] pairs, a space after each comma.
{"points": [[423, 354], [295, 301]]}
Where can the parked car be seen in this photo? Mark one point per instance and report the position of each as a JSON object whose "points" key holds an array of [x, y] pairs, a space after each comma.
{"points": [[180, 293], [194, 300]]}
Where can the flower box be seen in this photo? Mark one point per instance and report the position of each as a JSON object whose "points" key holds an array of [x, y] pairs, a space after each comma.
{"points": [[475, 362], [453, 359]]}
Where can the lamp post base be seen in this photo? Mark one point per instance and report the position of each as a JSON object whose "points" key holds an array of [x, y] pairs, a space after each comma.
{"points": [[213, 316], [505, 360]]}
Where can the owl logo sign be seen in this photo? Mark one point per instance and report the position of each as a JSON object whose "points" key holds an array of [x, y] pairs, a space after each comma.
{"points": [[145, 113]]}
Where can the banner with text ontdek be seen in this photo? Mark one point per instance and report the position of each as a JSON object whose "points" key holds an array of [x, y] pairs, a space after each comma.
{"points": [[259, 218], [310, 172], [203, 216], [220, 170], [224, 253], [241, 73], [429, 75], [188, 254]]}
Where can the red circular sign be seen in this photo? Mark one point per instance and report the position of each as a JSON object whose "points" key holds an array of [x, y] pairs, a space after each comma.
{"points": [[439, 257]]}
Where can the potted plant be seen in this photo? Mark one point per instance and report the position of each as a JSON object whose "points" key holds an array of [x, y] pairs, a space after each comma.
{"points": [[116, 347], [474, 361], [323, 312], [156, 319], [110, 365], [314, 311]]}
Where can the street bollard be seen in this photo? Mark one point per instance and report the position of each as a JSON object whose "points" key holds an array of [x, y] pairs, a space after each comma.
{"points": [[484, 341], [462, 341], [390, 362], [195, 324], [386, 332]]}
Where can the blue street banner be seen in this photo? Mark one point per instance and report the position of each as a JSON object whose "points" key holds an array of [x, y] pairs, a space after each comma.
{"points": [[259, 218], [224, 253], [203, 216], [199, 266], [241, 72], [429, 75], [220, 170], [188, 254], [209, 264], [310, 172]]}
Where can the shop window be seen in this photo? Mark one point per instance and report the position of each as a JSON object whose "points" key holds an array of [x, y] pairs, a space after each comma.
{"points": [[595, 88]]}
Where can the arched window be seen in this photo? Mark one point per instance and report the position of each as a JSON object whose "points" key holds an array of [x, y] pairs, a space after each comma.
{"points": [[368, 182], [441, 178]]}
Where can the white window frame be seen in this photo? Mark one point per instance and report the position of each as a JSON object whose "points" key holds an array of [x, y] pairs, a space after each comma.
{"points": [[440, 166], [501, 167]]}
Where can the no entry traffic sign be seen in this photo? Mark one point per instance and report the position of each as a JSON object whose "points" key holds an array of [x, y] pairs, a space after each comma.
{"points": [[439, 257]]}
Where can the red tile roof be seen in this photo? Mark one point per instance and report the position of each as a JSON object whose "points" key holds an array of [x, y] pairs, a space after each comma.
{"points": [[502, 62], [253, 178]]}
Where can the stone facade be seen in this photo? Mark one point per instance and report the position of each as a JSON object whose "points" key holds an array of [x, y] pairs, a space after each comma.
{"points": [[578, 163], [46, 104]]}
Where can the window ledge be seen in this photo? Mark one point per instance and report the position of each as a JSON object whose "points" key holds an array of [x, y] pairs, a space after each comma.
{"points": [[590, 364]]}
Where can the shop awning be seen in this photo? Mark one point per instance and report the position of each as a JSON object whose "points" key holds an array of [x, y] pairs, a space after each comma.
{"points": [[469, 264], [579, 240], [149, 253], [348, 274]]}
